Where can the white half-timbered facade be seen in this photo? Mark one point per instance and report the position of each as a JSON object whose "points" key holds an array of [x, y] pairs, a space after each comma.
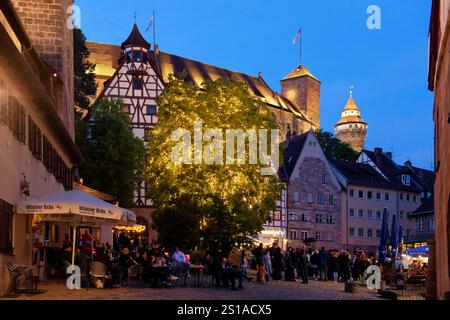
{"points": [[137, 83]]}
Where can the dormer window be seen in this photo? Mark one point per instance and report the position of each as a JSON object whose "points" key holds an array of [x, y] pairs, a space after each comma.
{"points": [[406, 179]]}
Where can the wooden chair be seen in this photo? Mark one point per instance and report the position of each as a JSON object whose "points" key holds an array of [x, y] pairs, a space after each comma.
{"points": [[134, 272]]}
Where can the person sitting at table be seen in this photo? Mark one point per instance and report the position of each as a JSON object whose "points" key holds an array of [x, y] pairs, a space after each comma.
{"points": [[124, 262], [180, 260], [159, 270], [230, 273]]}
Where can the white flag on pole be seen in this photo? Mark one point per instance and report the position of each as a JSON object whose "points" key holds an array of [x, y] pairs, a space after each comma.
{"points": [[297, 36], [152, 21]]}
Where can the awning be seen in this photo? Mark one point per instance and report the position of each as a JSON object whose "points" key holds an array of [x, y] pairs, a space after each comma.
{"points": [[418, 251], [75, 206]]}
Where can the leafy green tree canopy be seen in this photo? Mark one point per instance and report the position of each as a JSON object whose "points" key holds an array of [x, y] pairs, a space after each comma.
{"points": [[84, 81], [114, 156], [234, 200], [335, 148]]}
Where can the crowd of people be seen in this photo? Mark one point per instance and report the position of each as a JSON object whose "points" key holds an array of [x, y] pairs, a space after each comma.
{"points": [[161, 267], [308, 263], [158, 267]]}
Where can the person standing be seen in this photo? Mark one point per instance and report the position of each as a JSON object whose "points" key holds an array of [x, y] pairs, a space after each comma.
{"points": [[258, 253], [323, 264], [302, 264], [333, 265], [267, 265], [277, 264]]}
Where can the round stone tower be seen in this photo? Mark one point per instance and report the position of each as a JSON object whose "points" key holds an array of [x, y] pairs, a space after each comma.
{"points": [[351, 128]]}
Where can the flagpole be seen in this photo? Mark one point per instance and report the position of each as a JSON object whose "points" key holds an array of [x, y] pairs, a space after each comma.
{"points": [[154, 29], [301, 36]]}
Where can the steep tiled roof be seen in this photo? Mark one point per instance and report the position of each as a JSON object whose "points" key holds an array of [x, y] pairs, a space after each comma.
{"points": [[298, 72], [351, 119], [106, 56], [135, 39], [292, 153], [427, 207], [199, 72], [423, 176], [351, 105], [394, 172], [361, 174]]}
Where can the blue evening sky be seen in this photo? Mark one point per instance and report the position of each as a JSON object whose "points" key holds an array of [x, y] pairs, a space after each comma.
{"points": [[388, 67]]}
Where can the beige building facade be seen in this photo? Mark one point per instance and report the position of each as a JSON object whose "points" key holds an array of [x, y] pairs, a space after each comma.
{"points": [[38, 156]]}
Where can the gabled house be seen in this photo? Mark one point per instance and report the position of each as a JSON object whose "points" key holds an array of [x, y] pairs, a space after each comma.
{"points": [[313, 194]]}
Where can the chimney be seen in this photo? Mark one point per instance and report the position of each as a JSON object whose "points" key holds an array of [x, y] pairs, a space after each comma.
{"points": [[408, 164], [378, 155], [389, 155]]}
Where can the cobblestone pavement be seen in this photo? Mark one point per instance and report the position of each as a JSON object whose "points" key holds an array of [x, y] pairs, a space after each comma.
{"points": [[315, 290]]}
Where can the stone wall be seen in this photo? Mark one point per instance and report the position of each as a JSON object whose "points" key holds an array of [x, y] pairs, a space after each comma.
{"points": [[355, 137], [46, 25]]}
